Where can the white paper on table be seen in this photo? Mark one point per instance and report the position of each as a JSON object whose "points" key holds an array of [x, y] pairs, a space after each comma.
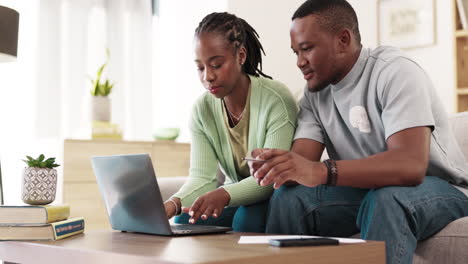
{"points": [[266, 239]]}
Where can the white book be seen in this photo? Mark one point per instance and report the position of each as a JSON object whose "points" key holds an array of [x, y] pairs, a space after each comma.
{"points": [[463, 13]]}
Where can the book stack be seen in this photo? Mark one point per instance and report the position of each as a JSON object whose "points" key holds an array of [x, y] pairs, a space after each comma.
{"points": [[48, 222], [105, 130]]}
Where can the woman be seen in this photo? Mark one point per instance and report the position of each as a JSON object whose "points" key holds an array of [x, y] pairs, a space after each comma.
{"points": [[243, 110]]}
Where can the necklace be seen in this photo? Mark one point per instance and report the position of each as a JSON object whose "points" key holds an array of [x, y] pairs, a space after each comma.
{"points": [[231, 115], [231, 121]]}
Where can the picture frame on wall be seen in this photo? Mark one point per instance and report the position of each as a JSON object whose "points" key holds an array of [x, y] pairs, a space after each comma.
{"points": [[406, 24]]}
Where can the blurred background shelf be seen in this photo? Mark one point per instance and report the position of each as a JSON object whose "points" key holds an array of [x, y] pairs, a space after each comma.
{"points": [[461, 62]]}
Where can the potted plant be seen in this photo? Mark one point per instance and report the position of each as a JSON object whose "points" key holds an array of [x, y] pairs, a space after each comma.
{"points": [[39, 180], [100, 90]]}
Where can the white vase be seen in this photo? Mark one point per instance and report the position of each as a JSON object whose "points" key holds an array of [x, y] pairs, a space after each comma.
{"points": [[100, 108], [39, 185]]}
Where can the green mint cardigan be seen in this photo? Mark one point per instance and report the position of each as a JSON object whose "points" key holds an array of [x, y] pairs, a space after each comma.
{"points": [[273, 116]]}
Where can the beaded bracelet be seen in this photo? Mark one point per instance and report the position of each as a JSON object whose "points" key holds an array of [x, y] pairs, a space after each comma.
{"points": [[332, 176]]}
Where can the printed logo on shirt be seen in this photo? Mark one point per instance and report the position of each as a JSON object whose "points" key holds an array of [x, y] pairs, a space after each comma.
{"points": [[359, 119]]}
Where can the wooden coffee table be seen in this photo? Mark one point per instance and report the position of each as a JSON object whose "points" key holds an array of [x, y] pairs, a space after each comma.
{"points": [[116, 247]]}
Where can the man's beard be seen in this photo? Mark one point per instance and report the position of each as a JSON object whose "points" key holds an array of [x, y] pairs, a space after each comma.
{"points": [[317, 88]]}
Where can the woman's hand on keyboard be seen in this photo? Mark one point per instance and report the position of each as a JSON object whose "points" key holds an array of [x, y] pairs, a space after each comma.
{"points": [[209, 204]]}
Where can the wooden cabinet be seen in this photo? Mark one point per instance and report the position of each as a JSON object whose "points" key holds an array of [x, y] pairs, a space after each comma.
{"points": [[461, 60], [80, 189]]}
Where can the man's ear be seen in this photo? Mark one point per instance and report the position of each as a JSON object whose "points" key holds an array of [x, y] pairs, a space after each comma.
{"points": [[344, 41]]}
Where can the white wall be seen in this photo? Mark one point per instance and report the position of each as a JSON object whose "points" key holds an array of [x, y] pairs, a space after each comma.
{"points": [[272, 19], [176, 83], [439, 60]]}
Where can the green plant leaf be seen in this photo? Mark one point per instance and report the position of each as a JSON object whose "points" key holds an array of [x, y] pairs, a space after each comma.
{"points": [[41, 158], [101, 69], [93, 88], [98, 88], [40, 162], [106, 87], [101, 90], [50, 160]]}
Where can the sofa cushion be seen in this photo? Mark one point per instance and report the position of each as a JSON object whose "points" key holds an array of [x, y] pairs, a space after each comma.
{"points": [[170, 185], [447, 246]]}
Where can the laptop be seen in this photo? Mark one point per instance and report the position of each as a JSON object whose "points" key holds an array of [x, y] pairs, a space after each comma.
{"points": [[133, 200]]}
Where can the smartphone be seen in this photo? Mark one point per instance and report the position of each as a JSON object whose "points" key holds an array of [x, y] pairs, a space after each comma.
{"points": [[297, 242]]}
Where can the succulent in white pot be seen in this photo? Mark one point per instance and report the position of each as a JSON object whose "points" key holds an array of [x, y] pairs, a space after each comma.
{"points": [[39, 184], [100, 90]]}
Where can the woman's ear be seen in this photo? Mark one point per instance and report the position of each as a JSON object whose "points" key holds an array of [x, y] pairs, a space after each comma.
{"points": [[242, 55]]}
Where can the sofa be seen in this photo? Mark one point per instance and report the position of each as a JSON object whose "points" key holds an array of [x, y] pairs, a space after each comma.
{"points": [[450, 245]]}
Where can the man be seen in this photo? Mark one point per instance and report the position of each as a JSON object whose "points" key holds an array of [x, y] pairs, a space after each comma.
{"points": [[394, 161]]}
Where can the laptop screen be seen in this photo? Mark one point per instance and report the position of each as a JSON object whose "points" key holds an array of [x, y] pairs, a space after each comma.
{"points": [[131, 193]]}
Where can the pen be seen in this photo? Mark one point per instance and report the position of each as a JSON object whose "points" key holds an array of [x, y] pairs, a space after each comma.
{"points": [[252, 159]]}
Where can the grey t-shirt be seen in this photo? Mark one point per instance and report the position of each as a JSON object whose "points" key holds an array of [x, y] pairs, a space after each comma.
{"points": [[385, 92]]}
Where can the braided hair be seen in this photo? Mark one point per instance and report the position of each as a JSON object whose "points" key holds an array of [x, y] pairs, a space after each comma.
{"points": [[238, 32]]}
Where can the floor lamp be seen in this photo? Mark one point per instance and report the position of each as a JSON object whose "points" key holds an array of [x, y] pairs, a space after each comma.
{"points": [[9, 22]]}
